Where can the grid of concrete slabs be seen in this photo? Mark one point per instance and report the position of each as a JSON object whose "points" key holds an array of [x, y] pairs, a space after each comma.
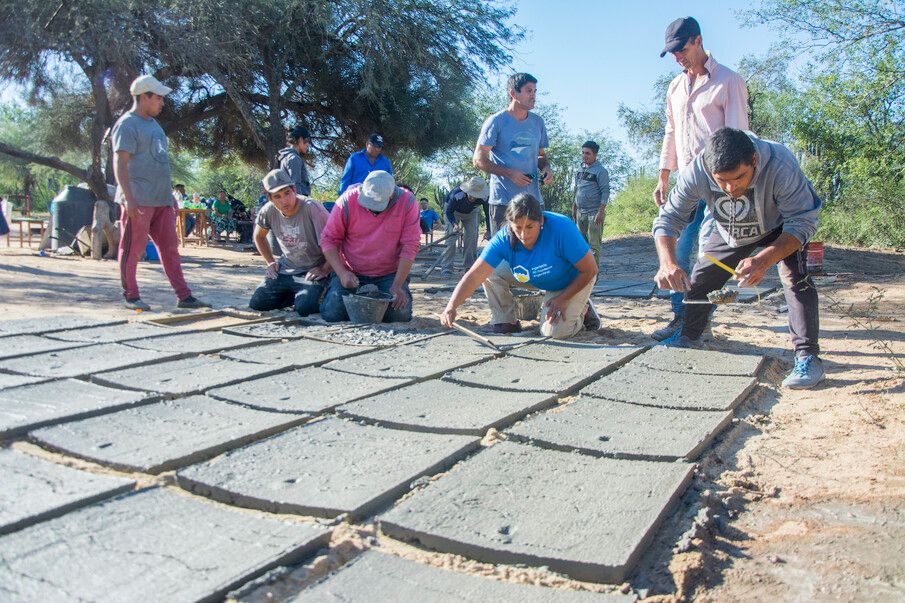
{"points": [[495, 505]]}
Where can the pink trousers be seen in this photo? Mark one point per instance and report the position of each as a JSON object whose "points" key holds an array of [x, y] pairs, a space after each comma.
{"points": [[160, 224]]}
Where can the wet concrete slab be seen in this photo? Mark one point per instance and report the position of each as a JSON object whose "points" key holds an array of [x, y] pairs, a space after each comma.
{"points": [[443, 407], [593, 356], [49, 324], [26, 345], [7, 380], [699, 362], [637, 384], [32, 406], [516, 373], [382, 578], [296, 353], [589, 518], [325, 468], [185, 376], [81, 362], [155, 544], [35, 490], [627, 431], [112, 333], [201, 342], [306, 390], [164, 435], [421, 360]]}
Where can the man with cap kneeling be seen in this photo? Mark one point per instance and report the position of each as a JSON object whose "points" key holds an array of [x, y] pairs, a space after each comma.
{"points": [[297, 277], [461, 205], [372, 237]]}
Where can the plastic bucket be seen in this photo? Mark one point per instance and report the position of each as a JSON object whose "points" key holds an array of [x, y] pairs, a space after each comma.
{"points": [[365, 309], [527, 304], [815, 257], [151, 252]]}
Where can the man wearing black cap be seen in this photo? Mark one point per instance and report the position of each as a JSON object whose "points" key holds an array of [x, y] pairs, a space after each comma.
{"points": [[705, 97], [363, 162], [291, 159]]}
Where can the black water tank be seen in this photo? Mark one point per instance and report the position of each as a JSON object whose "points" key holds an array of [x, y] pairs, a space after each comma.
{"points": [[72, 209]]}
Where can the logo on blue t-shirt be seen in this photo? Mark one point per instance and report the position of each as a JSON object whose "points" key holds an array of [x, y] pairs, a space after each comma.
{"points": [[521, 274], [522, 145]]}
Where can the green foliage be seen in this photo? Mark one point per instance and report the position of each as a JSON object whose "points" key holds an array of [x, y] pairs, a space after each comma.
{"points": [[632, 210]]}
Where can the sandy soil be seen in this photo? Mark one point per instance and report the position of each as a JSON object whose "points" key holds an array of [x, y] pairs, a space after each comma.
{"points": [[802, 499]]}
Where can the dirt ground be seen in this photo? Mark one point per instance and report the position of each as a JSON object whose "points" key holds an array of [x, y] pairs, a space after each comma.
{"points": [[802, 499]]}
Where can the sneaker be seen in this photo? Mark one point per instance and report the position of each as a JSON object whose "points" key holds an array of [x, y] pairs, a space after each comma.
{"points": [[137, 304], [807, 373], [591, 318], [677, 340], [192, 302], [503, 328], [674, 326]]}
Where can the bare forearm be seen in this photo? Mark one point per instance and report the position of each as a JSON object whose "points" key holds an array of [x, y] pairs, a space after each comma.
{"points": [[666, 250], [403, 270], [481, 160], [121, 172], [335, 261], [263, 245], [781, 248]]}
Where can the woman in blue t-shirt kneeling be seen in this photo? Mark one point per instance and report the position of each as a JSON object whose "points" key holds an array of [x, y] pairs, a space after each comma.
{"points": [[534, 250]]}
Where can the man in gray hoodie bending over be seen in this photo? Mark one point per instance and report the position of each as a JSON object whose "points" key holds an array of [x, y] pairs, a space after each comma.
{"points": [[758, 199]]}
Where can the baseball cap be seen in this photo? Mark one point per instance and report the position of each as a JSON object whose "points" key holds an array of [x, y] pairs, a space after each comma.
{"points": [[148, 83], [376, 139], [276, 180], [299, 133], [678, 33], [376, 190], [475, 187]]}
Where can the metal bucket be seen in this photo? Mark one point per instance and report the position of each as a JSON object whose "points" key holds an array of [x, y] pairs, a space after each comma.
{"points": [[367, 309], [527, 303]]}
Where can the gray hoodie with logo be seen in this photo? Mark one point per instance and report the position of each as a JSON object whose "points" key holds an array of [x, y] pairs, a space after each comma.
{"points": [[592, 187], [779, 195]]}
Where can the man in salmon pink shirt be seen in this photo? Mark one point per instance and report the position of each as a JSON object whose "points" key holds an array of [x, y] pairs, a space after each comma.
{"points": [[371, 237]]}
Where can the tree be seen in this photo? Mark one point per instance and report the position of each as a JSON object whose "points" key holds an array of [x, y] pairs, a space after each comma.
{"points": [[646, 126]]}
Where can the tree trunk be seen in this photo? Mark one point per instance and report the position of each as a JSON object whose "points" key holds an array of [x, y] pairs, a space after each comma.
{"points": [[51, 162]]}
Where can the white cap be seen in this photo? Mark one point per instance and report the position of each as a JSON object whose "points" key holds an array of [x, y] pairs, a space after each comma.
{"points": [[148, 83], [377, 190]]}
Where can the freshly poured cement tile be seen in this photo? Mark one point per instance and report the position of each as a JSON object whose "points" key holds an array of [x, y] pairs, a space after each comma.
{"points": [[112, 333], [155, 544], [83, 361], [699, 362], [325, 468], [443, 407], [24, 345], [201, 342], [590, 355], [7, 381], [380, 578], [186, 376], [35, 490], [307, 390], [30, 406], [515, 373], [619, 430], [590, 518], [417, 360], [641, 385], [298, 353], [162, 436], [48, 324]]}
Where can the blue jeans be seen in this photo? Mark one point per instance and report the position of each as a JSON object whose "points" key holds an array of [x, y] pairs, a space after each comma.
{"points": [[684, 248], [334, 310], [284, 290]]}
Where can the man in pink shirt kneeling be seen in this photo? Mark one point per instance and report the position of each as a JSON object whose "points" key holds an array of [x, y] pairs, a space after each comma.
{"points": [[371, 237]]}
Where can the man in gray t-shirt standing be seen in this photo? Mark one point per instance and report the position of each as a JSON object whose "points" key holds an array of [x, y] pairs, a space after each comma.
{"points": [[511, 149], [297, 277], [142, 169]]}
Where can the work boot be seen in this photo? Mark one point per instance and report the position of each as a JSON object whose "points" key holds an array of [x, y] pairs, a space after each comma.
{"points": [[591, 317], [504, 328], [807, 373], [192, 302], [677, 340], [674, 326], [137, 304]]}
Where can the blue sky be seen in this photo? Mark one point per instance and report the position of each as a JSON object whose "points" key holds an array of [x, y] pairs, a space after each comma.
{"points": [[591, 55]]}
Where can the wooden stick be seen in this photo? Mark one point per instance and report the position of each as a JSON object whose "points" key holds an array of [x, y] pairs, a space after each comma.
{"points": [[479, 338]]}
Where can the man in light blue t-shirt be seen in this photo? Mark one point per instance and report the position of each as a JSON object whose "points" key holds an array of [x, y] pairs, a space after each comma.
{"points": [[511, 149]]}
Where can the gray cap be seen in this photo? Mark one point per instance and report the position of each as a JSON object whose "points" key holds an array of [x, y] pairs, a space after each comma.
{"points": [[376, 190], [276, 180]]}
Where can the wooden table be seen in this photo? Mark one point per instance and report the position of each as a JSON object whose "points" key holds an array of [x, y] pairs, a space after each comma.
{"points": [[29, 221], [200, 224]]}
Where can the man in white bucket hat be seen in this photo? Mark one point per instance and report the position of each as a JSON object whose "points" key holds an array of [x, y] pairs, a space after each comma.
{"points": [[461, 207]]}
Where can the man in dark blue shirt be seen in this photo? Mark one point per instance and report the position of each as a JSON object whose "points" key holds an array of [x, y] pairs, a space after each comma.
{"points": [[460, 206], [363, 162]]}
